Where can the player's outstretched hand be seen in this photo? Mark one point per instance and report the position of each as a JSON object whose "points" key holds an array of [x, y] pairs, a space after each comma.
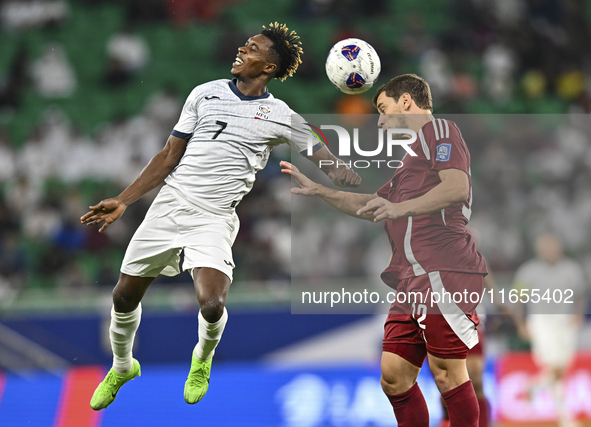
{"points": [[344, 177], [307, 186], [381, 209], [107, 211]]}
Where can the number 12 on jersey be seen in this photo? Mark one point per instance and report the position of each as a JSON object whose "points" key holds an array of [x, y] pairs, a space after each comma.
{"points": [[419, 312]]}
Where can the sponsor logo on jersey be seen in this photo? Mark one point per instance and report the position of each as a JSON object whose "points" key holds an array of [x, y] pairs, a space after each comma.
{"points": [[263, 112], [208, 98], [443, 152]]}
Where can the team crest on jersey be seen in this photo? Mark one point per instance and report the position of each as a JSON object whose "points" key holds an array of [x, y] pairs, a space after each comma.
{"points": [[263, 112], [443, 152]]}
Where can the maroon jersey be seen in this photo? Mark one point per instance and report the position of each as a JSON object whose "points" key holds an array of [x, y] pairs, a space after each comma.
{"points": [[437, 241]]}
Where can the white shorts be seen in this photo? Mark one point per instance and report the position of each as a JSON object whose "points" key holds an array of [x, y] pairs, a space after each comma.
{"points": [[172, 225], [553, 339]]}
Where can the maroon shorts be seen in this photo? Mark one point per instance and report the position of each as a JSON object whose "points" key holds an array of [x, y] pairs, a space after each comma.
{"points": [[442, 324], [478, 349]]}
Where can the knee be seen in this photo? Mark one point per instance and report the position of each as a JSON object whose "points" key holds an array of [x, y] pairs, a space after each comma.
{"points": [[558, 373], [213, 309], [442, 380], [448, 373], [212, 288], [446, 380], [125, 300], [393, 384]]}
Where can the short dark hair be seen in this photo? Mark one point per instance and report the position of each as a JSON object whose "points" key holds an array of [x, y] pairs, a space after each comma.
{"points": [[287, 46], [415, 86]]}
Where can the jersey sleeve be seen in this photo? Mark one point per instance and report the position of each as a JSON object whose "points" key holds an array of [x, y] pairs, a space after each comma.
{"points": [[384, 190], [298, 135], [188, 120], [447, 147]]}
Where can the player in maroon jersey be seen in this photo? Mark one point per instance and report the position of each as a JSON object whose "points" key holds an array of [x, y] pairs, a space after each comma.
{"points": [[425, 207]]}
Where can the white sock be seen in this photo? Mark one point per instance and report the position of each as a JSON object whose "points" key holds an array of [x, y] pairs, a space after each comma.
{"points": [[561, 408], [122, 333], [209, 336]]}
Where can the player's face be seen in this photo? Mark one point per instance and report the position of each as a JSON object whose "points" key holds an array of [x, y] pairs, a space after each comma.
{"points": [[254, 58], [549, 248], [391, 116]]}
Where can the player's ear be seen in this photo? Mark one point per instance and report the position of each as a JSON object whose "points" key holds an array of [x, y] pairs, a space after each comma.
{"points": [[406, 101], [270, 68]]}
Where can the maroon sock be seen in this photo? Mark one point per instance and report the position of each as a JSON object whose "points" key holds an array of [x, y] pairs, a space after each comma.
{"points": [[462, 406], [410, 408], [483, 405]]}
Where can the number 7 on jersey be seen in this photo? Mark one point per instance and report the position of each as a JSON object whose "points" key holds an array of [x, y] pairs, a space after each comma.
{"points": [[223, 126]]}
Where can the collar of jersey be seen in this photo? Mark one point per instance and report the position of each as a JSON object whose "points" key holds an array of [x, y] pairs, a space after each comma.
{"points": [[243, 97]]}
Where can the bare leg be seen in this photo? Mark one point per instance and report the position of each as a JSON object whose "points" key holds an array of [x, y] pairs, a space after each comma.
{"points": [[448, 373], [557, 375], [398, 381], [212, 288], [451, 377], [125, 318], [129, 291], [475, 365], [398, 374]]}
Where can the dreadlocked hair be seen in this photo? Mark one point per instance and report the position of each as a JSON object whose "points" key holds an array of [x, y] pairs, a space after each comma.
{"points": [[288, 48]]}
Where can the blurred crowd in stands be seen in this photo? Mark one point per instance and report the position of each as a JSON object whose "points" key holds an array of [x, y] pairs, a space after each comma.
{"points": [[514, 56]]}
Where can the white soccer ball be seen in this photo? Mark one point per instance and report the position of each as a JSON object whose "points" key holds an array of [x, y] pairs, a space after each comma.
{"points": [[353, 66]]}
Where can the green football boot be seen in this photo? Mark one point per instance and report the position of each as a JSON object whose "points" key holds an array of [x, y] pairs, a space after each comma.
{"points": [[107, 390], [198, 380]]}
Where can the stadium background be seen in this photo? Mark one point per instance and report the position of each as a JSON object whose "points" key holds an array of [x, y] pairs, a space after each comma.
{"points": [[89, 90]]}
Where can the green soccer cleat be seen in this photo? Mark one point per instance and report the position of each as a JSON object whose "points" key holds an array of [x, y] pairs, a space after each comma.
{"points": [[198, 380], [107, 390]]}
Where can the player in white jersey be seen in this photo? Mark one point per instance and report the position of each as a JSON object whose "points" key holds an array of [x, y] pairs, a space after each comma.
{"points": [[552, 323], [224, 136]]}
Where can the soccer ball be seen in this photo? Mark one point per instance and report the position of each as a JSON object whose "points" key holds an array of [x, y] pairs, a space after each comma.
{"points": [[353, 66]]}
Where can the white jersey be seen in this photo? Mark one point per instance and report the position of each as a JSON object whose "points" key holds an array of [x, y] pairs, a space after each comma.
{"points": [[563, 277], [230, 138]]}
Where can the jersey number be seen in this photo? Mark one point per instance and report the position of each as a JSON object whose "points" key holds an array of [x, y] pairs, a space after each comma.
{"points": [[223, 126], [419, 312]]}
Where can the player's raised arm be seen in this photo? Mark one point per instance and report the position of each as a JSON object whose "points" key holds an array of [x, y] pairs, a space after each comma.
{"points": [[454, 188], [346, 202], [109, 210], [336, 170], [320, 155]]}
